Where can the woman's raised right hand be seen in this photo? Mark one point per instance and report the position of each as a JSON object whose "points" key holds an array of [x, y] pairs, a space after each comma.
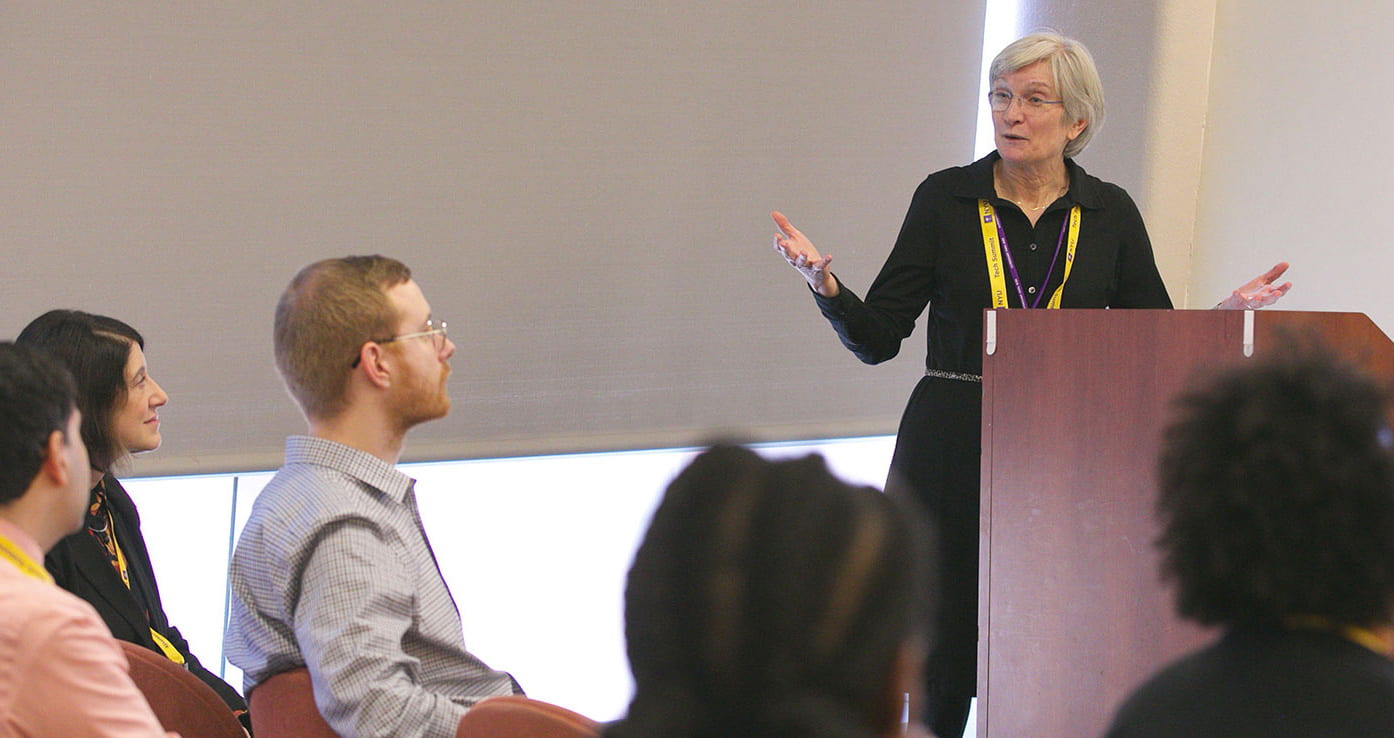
{"points": [[796, 249]]}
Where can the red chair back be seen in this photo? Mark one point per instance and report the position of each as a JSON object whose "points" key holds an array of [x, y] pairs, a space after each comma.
{"points": [[180, 701], [284, 707], [516, 716]]}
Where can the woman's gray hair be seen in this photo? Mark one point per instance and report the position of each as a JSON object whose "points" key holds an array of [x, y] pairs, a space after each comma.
{"points": [[1076, 78]]}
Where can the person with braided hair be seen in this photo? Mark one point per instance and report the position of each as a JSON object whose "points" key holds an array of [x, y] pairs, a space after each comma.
{"points": [[768, 599]]}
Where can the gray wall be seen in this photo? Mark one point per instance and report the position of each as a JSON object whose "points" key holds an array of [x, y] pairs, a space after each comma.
{"points": [[583, 188], [583, 191], [1298, 154]]}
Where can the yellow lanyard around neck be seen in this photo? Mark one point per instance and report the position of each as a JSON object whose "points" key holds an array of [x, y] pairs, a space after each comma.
{"points": [[122, 568], [1354, 633], [16, 555], [167, 648], [992, 247]]}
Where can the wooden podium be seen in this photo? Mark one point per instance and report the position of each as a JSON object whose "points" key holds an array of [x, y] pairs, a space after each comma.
{"points": [[1072, 615]]}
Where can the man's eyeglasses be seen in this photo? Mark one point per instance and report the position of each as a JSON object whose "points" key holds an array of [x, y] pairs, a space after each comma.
{"points": [[1000, 100], [433, 330]]}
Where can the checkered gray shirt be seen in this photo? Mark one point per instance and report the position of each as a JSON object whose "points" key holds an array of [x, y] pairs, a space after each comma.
{"points": [[333, 571]]}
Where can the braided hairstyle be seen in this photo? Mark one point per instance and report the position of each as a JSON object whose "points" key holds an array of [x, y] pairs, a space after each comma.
{"points": [[771, 599]]}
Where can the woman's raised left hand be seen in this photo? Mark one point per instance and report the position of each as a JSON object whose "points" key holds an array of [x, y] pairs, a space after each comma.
{"points": [[1259, 291]]}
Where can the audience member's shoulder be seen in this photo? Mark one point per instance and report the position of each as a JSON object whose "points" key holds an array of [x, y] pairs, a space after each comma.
{"points": [[1168, 695], [1325, 683], [305, 488], [39, 614], [1367, 674], [301, 501]]}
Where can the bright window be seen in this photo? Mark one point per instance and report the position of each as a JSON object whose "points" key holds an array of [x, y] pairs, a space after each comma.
{"points": [[534, 549]]}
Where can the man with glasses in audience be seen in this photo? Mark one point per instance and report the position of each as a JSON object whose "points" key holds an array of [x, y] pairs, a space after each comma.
{"points": [[333, 570], [61, 672]]}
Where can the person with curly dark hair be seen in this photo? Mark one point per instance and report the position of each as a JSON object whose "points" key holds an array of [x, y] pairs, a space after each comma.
{"points": [[1277, 514], [772, 599]]}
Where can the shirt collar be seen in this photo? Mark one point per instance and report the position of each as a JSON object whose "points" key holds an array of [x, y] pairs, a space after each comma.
{"points": [[360, 465], [975, 182]]}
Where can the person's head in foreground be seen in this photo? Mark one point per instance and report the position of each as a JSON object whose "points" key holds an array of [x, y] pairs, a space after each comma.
{"points": [[1277, 496], [772, 599], [1277, 517], [43, 461]]}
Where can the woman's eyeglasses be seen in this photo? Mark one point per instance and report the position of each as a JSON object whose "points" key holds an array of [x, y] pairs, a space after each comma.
{"points": [[1000, 100]]}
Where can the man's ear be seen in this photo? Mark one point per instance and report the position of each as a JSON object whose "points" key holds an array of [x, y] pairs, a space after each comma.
{"points": [[375, 364], [55, 465]]}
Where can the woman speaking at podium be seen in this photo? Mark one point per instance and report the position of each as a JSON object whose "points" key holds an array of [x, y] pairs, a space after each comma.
{"points": [[1023, 227]]}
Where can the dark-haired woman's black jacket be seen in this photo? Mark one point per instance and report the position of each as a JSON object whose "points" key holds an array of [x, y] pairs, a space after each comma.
{"points": [[79, 564]]}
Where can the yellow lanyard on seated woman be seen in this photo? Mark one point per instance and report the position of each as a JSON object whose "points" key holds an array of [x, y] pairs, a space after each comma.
{"points": [[166, 647], [15, 555], [993, 249]]}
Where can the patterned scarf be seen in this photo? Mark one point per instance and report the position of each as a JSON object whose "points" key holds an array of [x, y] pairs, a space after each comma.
{"points": [[100, 525]]}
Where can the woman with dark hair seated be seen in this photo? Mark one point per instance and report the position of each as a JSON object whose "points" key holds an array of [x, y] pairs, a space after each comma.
{"points": [[106, 562], [1277, 513], [772, 599]]}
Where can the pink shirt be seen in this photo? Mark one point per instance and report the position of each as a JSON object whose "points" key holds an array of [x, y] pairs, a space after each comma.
{"points": [[61, 672]]}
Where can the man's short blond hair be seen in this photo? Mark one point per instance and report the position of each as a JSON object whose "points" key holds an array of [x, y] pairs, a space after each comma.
{"points": [[324, 317]]}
